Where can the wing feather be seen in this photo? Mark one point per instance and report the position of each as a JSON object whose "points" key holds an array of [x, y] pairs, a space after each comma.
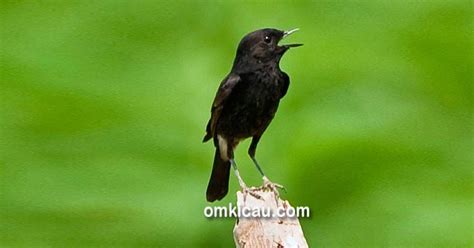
{"points": [[223, 93], [285, 85]]}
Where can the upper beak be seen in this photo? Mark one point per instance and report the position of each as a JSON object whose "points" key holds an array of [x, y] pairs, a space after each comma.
{"points": [[287, 33]]}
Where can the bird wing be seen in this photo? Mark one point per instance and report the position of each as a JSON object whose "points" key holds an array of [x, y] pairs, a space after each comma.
{"points": [[285, 84], [223, 93]]}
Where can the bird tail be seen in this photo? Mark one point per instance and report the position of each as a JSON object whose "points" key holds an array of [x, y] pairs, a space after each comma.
{"points": [[219, 182]]}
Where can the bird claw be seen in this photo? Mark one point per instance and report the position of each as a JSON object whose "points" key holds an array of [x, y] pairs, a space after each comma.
{"points": [[248, 191], [267, 184], [271, 185]]}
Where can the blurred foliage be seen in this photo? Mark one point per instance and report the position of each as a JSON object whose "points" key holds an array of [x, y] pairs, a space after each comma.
{"points": [[104, 103]]}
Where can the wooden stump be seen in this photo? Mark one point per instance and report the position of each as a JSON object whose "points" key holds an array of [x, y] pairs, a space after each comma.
{"points": [[270, 231]]}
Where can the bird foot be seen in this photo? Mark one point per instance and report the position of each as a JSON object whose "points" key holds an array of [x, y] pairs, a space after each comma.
{"points": [[267, 184], [248, 191]]}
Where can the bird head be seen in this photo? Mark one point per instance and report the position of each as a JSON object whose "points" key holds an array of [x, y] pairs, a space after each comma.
{"points": [[262, 46]]}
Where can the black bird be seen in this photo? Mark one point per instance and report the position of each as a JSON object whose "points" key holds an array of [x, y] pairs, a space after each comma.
{"points": [[245, 104]]}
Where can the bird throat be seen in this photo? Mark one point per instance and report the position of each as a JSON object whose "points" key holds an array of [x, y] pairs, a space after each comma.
{"points": [[247, 64]]}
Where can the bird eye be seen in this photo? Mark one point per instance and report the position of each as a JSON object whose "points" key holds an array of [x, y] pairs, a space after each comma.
{"points": [[267, 39]]}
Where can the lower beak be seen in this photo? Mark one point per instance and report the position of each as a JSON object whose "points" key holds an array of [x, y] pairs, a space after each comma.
{"points": [[292, 45]]}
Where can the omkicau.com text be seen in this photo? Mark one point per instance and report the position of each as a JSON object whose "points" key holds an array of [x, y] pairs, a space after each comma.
{"points": [[233, 211]]}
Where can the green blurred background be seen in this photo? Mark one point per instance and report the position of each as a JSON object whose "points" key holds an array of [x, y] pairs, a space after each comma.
{"points": [[104, 104]]}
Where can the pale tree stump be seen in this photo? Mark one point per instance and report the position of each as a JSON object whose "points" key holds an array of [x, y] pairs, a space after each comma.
{"points": [[266, 231]]}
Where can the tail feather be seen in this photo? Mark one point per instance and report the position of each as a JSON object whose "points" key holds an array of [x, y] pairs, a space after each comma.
{"points": [[219, 182]]}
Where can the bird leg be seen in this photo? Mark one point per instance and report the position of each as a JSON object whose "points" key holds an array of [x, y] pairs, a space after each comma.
{"points": [[243, 187], [266, 182], [237, 174]]}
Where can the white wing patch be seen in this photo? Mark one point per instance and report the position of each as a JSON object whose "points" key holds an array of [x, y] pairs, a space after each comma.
{"points": [[223, 147]]}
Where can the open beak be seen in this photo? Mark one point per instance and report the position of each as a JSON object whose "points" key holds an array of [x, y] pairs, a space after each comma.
{"points": [[286, 34]]}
